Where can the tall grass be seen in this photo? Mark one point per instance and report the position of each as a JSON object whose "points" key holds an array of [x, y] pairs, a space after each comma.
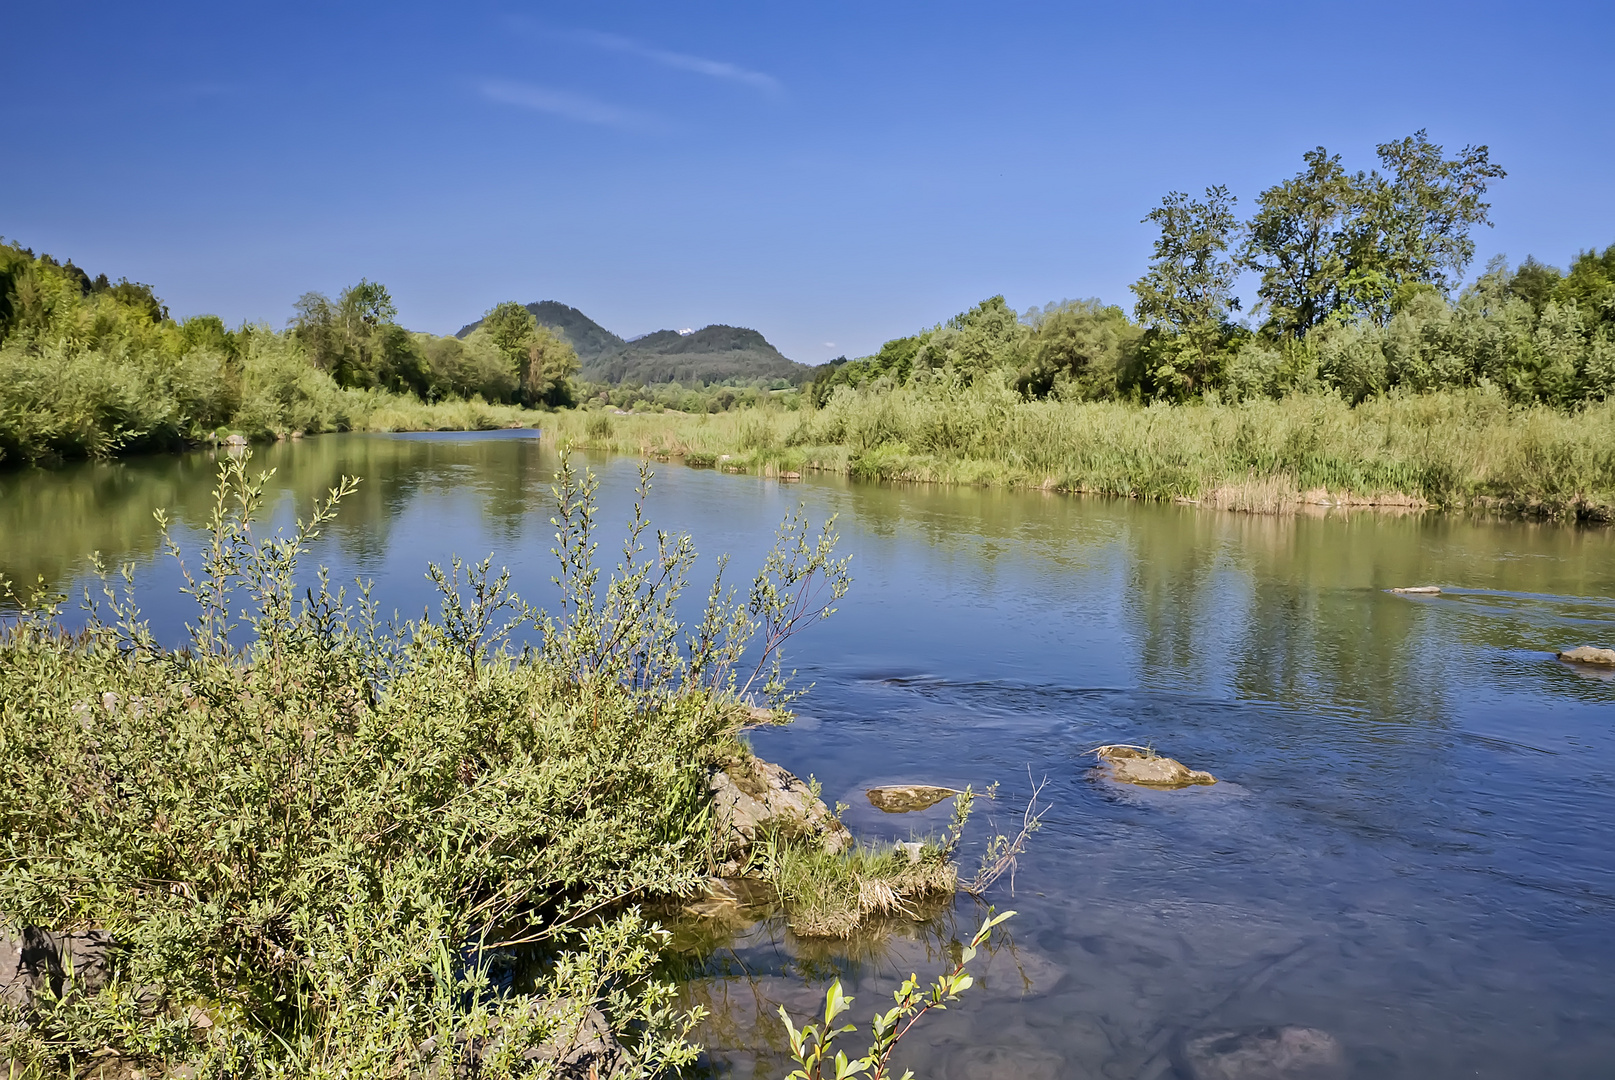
{"points": [[1451, 449]]}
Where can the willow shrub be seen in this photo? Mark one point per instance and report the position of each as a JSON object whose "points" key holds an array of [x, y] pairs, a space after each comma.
{"points": [[337, 839]]}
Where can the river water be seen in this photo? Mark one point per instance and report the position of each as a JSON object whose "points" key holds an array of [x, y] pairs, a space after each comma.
{"points": [[1406, 869]]}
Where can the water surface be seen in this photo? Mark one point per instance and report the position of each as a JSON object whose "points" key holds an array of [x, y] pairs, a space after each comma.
{"points": [[1408, 849]]}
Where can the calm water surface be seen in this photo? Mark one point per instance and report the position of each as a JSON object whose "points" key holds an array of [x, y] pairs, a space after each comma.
{"points": [[1409, 849]]}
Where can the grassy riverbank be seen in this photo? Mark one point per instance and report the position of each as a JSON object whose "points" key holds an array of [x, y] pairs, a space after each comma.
{"points": [[1450, 449]]}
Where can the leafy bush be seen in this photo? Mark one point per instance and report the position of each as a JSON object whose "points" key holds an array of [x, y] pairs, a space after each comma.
{"points": [[337, 839]]}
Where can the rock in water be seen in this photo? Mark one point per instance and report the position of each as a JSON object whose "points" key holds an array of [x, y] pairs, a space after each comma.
{"points": [[1419, 590], [903, 798], [1287, 1053], [1133, 766], [752, 798], [1587, 654]]}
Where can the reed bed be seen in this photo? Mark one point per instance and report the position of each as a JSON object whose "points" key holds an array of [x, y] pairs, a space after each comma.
{"points": [[1452, 450]]}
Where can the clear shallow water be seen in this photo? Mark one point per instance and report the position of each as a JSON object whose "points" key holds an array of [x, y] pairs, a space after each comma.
{"points": [[1409, 849]]}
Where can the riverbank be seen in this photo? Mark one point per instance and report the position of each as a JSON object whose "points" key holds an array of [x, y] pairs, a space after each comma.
{"points": [[1452, 450]]}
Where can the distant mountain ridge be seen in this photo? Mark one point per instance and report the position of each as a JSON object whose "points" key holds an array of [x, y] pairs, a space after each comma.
{"points": [[588, 338], [712, 354]]}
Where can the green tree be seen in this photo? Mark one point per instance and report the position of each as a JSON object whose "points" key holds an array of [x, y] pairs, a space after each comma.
{"points": [[1077, 349], [549, 364], [510, 325], [1412, 231], [1298, 241], [358, 340], [1535, 283], [541, 359], [1591, 285], [1186, 297], [986, 338]]}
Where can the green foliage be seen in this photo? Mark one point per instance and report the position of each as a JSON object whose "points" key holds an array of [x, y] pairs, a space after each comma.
{"points": [[331, 835], [1186, 297], [812, 1044], [1421, 213], [1077, 350], [1300, 241], [357, 340], [1332, 247], [90, 368], [543, 362]]}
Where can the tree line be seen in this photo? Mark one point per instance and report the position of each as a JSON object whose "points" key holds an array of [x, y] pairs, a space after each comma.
{"points": [[1359, 292], [92, 367]]}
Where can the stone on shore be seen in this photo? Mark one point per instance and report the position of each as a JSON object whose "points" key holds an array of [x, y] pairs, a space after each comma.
{"points": [[35, 959], [753, 799], [1145, 768]]}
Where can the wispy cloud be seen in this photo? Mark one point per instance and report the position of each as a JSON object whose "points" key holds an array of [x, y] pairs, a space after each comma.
{"points": [[700, 65], [562, 103]]}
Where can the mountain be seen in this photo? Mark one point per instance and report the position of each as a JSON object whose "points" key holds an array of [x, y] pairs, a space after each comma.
{"points": [[712, 354], [588, 338], [709, 355]]}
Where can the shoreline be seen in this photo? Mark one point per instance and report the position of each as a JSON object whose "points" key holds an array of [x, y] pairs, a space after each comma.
{"points": [[1170, 469]]}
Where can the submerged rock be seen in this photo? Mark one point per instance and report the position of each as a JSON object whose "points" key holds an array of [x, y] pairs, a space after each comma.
{"points": [[904, 798], [1285, 1053], [1131, 765], [1419, 590], [1005, 1063], [1588, 654], [752, 799]]}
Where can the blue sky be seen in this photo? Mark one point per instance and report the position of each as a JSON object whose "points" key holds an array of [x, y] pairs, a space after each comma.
{"points": [[832, 174]]}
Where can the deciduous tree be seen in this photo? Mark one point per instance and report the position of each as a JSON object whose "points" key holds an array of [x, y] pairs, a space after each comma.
{"points": [[1187, 295]]}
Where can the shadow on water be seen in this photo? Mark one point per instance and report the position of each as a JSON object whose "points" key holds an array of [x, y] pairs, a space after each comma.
{"points": [[1406, 860]]}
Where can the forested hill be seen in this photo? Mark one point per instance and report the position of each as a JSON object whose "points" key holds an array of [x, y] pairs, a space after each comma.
{"points": [[712, 354], [588, 338]]}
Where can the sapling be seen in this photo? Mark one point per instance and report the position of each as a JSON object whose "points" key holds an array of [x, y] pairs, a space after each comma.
{"points": [[812, 1044]]}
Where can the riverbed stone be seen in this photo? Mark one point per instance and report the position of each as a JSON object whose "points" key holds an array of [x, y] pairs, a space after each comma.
{"points": [[906, 798], [753, 799], [1131, 765], [1276, 1053], [1004, 1063], [35, 960], [1588, 654]]}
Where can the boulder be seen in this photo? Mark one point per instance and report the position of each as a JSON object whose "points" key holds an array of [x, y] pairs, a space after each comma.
{"points": [[903, 798], [36, 960], [1284, 1053], [753, 799], [1588, 654], [1131, 765]]}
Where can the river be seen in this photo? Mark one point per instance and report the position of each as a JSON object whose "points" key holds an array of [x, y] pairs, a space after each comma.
{"points": [[1405, 870]]}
